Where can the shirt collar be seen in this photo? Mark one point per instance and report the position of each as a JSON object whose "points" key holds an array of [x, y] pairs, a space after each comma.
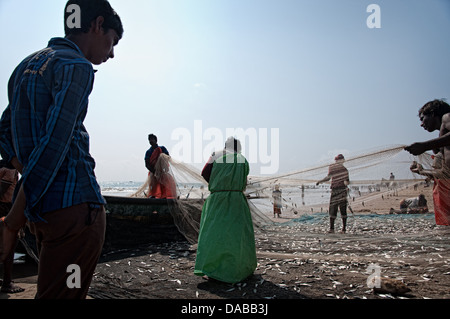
{"points": [[66, 42]]}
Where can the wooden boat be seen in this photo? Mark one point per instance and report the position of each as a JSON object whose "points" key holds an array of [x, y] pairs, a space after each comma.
{"points": [[131, 222], [135, 221]]}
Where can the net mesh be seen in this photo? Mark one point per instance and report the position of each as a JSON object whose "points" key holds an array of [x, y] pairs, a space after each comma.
{"points": [[372, 174]]}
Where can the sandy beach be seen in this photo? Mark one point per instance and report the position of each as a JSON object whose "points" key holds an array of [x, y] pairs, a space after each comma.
{"points": [[296, 260]]}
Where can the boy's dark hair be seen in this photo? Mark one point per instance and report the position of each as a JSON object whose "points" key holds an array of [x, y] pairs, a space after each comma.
{"points": [[435, 107], [91, 10], [150, 136]]}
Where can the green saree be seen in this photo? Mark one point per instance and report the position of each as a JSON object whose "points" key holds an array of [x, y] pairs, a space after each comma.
{"points": [[226, 243]]}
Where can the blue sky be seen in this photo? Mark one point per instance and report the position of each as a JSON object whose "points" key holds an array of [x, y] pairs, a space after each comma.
{"points": [[312, 70]]}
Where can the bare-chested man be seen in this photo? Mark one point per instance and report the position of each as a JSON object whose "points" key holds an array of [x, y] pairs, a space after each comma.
{"points": [[435, 115]]}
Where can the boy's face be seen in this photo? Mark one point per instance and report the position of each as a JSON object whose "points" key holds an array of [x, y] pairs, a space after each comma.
{"points": [[103, 46]]}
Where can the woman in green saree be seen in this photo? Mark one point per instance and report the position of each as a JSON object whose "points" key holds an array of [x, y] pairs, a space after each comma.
{"points": [[226, 242]]}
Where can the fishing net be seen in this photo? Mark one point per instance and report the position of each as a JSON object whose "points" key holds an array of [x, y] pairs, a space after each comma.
{"points": [[180, 182], [373, 175]]}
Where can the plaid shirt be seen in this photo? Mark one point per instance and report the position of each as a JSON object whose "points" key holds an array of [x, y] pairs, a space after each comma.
{"points": [[43, 127]]}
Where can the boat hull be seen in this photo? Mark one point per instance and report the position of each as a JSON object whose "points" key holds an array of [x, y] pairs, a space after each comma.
{"points": [[132, 222], [137, 221]]}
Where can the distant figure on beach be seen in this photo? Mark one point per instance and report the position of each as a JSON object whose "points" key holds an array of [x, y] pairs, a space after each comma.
{"points": [[392, 183], [414, 205], [42, 134], [435, 116], [339, 191], [277, 201], [303, 194], [226, 241], [8, 178], [162, 184]]}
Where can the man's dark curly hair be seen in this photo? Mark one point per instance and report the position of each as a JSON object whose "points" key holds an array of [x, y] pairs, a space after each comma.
{"points": [[435, 108], [91, 10]]}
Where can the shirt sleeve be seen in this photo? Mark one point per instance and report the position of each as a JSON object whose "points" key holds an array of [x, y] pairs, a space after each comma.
{"points": [[71, 87]]}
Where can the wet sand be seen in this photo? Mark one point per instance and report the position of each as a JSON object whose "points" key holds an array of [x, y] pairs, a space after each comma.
{"points": [[295, 261]]}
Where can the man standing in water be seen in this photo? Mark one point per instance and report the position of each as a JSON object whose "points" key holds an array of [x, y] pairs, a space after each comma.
{"points": [[435, 116], [43, 136], [339, 191]]}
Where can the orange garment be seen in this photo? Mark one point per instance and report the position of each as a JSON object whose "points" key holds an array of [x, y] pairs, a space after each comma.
{"points": [[162, 184], [162, 189], [441, 198]]}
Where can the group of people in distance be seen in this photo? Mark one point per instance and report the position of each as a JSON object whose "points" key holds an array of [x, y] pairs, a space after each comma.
{"points": [[42, 136]]}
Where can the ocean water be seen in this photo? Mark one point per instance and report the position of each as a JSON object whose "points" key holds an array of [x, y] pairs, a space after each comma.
{"points": [[128, 188], [115, 188]]}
